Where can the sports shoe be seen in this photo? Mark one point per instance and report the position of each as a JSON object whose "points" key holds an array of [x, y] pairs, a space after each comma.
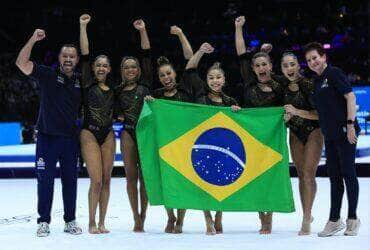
{"points": [[43, 229], [332, 228], [72, 228], [352, 227]]}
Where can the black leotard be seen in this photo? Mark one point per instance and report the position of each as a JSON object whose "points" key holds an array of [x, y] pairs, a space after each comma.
{"points": [[192, 78], [253, 94], [97, 105], [183, 94], [301, 99], [130, 102]]}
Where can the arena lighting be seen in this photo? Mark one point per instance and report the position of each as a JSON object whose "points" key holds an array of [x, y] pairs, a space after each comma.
{"points": [[327, 46], [254, 43]]}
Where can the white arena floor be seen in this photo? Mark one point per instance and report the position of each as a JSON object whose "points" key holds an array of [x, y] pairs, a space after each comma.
{"points": [[18, 223]]}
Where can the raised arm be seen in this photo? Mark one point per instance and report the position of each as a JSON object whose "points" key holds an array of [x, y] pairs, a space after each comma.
{"points": [[84, 45], [84, 41], [244, 55], [191, 76], [186, 47], [193, 62], [144, 39], [23, 60], [239, 39], [147, 71]]}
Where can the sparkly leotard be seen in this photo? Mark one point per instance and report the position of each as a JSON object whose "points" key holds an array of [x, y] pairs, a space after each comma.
{"points": [[97, 105], [301, 99], [254, 96], [130, 102], [191, 76]]}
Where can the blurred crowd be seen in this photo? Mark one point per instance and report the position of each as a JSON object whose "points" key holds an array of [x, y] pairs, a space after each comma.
{"points": [[288, 24]]}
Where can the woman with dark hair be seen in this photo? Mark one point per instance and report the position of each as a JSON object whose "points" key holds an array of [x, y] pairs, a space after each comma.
{"points": [[175, 91], [129, 101], [336, 106], [305, 138], [172, 90], [263, 89], [97, 138], [209, 93]]}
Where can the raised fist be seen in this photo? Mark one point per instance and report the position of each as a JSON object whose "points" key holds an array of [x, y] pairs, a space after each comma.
{"points": [[266, 47], [85, 19], [206, 48], [38, 35], [139, 24], [239, 21], [175, 30]]}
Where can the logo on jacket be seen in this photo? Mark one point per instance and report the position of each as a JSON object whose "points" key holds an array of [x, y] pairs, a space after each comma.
{"points": [[60, 79], [325, 84], [77, 84]]}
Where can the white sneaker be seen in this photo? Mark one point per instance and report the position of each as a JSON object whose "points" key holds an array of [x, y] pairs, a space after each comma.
{"points": [[352, 227], [332, 228], [72, 228], [43, 229]]}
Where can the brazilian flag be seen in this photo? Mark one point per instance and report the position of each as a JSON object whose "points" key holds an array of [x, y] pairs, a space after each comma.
{"points": [[210, 158]]}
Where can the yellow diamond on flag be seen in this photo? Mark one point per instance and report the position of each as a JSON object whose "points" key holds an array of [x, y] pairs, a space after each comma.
{"points": [[219, 156]]}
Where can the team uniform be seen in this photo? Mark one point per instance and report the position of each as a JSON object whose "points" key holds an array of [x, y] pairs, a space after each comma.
{"points": [[57, 138], [183, 94], [97, 105], [253, 95], [301, 99], [329, 90], [201, 89], [130, 102]]}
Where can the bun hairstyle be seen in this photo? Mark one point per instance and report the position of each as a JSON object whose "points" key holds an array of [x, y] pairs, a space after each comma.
{"points": [[288, 53], [163, 61], [217, 66], [261, 54]]}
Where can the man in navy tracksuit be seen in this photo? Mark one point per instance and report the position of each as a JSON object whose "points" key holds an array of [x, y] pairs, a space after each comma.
{"points": [[57, 138], [336, 105]]}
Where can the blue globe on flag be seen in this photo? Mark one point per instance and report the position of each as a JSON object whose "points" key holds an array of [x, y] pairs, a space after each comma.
{"points": [[218, 156]]}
